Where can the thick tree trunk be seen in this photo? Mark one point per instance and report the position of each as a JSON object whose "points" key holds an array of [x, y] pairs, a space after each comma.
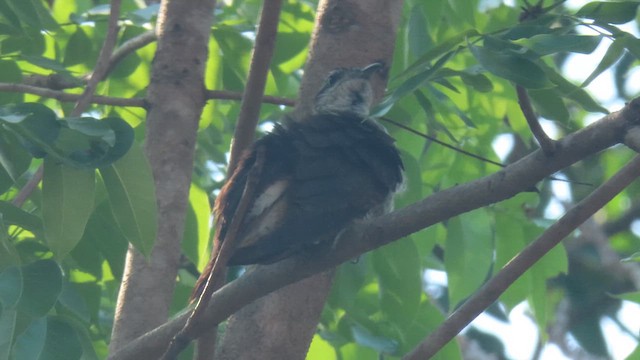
{"points": [[281, 325], [176, 97]]}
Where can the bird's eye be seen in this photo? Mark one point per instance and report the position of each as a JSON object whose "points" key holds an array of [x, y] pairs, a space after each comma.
{"points": [[333, 77]]}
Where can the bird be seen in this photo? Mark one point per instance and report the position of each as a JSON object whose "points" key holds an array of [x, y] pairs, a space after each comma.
{"points": [[318, 174]]}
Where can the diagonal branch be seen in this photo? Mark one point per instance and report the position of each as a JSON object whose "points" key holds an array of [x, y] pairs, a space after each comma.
{"points": [[373, 233], [102, 63], [497, 285], [256, 81], [547, 145]]}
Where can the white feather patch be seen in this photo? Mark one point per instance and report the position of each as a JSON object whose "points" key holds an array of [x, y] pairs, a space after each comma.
{"points": [[269, 197]]}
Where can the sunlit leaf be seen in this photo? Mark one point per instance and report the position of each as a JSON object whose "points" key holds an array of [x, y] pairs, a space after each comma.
{"points": [[66, 205], [131, 189], [614, 12]]}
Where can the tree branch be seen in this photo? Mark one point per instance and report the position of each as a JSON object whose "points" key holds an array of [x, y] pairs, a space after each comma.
{"points": [[497, 285], [130, 46], [547, 145], [256, 81], [176, 95], [373, 233], [129, 102], [102, 63]]}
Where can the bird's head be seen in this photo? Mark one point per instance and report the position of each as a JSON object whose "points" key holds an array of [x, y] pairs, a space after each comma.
{"points": [[347, 90]]}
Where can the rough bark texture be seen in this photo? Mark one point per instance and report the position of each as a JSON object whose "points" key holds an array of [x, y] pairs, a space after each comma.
{"points": [[176, 97], [347, 33]]}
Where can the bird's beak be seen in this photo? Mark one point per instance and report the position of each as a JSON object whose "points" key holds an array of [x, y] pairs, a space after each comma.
{"points": [[371, 69]]}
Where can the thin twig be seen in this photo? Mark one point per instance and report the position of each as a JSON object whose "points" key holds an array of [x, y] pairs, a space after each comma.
{"points": [[497, 285], [184, 336], [129, 102], [547, 145], [102, 63], [28, 188], [130, 46], [67, 97], [435, 140], [256, 81]]}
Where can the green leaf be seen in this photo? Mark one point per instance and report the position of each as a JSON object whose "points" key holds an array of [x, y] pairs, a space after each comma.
{"points": [[409, 86], [397, 267], [7, 328], [549, 104], [13, 215], [34, 14], [570, 91], [546, 44], [131, 190], [613, 12], [79, 49], [10, 287], [196, 230], [444, 48], [103, 234], [10, 73], [62, 342], [30, 343], [72, 300], [67, 201], [511, 66], [14, 160], [35, 124], [614, 52], [41, 284], [469, 253]]}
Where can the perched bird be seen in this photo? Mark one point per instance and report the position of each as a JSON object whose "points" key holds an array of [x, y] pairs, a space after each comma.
{"points": [[317, 176]]}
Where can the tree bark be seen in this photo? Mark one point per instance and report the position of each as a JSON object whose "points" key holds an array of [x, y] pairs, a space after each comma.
{"points": [[176, 97], [347, 33]]}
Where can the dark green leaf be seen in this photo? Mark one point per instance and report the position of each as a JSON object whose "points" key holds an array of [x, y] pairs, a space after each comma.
{"points": [[42, 283], [14, 160], [614, 52], [613, 12], [79, 49], [72, 300], [67, 202], [409, 86], [132, 196], [35, 124], [10, 287], [567, 89], [102, 232], [397, 267], [511, 66], [33, 13], [196, 237], [44, 62], [550, 43], [13, 215], [549, 104], [30, 343], [469, 253], [7, 329], [62, 341], [10, 73]]}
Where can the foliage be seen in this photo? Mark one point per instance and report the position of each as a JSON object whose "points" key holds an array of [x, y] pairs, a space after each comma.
{"points": [[453, 75]]}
